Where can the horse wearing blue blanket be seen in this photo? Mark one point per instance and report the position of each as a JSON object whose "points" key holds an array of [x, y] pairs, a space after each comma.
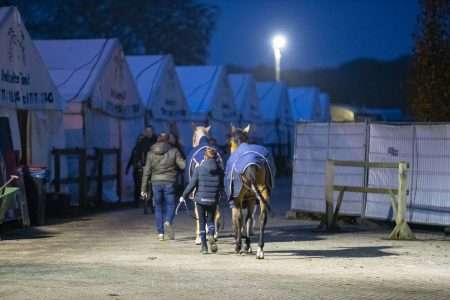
{"points": [[249, 177]]}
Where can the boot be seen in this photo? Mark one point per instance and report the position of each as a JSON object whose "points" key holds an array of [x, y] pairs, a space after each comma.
{"points": [[204, 249], [212, 244]]}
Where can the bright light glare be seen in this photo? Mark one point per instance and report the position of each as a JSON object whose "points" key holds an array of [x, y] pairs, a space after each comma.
{"points": [[279, 41]]}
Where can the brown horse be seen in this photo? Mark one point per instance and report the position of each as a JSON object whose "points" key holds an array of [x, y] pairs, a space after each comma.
{"points": [[257, 183]]}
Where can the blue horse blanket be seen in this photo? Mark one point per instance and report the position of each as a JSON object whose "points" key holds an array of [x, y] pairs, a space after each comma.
{"points": [[197, 155], [245, 156]]}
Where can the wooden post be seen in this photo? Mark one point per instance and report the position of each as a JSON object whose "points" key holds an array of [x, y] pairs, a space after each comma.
{"points": [[329, 181], [119, 174], [57, 166], [402, 231], [82, 180], [338, 208], [100, 156]]}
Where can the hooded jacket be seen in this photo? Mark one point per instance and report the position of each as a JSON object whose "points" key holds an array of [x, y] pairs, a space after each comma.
{"points": [[161, 165], [207, 179]]}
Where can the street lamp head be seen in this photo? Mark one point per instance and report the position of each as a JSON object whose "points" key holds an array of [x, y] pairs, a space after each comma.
{"points": [[278, 41]]}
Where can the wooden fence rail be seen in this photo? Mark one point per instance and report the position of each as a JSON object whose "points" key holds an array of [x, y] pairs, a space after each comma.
{"points": [[402, 230], [83, 179]]}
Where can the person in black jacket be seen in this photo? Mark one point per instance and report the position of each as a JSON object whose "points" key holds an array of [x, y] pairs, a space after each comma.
{"points": [[207, 179]]}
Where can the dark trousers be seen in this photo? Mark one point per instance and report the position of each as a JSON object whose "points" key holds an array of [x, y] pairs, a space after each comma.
{"points": [[137, 178], [164, 199], [206, 217]]}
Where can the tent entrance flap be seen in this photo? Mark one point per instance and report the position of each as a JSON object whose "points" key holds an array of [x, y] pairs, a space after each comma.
{"points": [[23, 120]]}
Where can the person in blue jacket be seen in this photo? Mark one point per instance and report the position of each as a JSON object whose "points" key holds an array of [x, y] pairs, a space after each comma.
{"points": [[194, 159], [207, 180]]}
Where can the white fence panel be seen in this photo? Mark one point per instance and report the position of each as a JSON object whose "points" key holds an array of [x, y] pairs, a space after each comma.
{"points": [[315, 143], [427, 149]]}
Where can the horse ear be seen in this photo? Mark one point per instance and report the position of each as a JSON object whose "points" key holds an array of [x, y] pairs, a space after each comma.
{"points": [[233, 129], [247, 129]]}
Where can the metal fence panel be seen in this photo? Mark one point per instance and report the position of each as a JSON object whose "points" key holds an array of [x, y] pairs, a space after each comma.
{"points": [[315, 143], [387, 144], [427, 149]]}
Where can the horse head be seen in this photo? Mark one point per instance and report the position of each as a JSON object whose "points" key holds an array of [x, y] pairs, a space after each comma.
{"points": [[238, 136], [199, 132]]}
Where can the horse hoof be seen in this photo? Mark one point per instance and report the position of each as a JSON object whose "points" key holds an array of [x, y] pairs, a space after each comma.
{"points": [[250, 250], [198, 241], [259, 253]]}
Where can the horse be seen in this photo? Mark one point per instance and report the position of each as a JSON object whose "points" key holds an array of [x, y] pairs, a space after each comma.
{"points": [[250, 176], [200, 141]]}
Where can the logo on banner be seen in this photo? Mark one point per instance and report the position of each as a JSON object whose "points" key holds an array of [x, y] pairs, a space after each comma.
{"points": [[392, 151], [16, 46]]}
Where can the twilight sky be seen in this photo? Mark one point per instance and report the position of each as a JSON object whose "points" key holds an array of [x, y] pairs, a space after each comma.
{"points": [[321, 33]]}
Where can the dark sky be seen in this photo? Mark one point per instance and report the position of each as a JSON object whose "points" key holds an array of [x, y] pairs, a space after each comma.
{"points": [[320, 32]]}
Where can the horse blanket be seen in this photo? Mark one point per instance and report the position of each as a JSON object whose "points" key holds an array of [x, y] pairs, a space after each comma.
{"points": [[245, 156], [197, 155]]}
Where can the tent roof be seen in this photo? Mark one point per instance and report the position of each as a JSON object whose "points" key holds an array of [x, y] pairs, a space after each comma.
{"points": [[75, 65], [273, 101], [147, 71], [159, 86], [305, 103], [24, 74], [199, 85], [94, 70], [245, 96]]}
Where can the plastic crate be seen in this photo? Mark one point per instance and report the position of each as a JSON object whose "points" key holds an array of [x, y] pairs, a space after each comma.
{"points": [[8, 200]]}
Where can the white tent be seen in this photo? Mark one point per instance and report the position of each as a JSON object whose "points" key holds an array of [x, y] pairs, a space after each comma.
{"points": [[160, 89], [103, 108], [277, 114], [210, 98], [247, 104], [29, 100], [305, 103]]}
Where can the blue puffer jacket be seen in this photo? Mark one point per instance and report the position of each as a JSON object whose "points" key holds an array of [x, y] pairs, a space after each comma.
{"points": [[244, 156], [207, 179]]}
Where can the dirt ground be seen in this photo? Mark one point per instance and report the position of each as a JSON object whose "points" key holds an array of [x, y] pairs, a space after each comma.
{"points": [[115, 255]]}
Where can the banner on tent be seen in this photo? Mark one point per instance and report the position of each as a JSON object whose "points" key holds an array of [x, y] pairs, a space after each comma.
{"points": [[24, 80]]}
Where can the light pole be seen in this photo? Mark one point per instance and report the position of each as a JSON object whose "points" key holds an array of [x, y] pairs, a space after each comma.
{"points": [[278, 43]]}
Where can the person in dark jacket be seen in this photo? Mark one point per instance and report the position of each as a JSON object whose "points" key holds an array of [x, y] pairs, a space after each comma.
{"points": [[160, 173], [136, 161], [195, 158], [207, 179]]}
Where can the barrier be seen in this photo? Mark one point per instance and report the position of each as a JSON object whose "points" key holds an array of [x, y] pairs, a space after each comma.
{"points": [[398, 196]]}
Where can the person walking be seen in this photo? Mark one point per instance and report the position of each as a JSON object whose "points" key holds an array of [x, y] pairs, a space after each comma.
{"points": [[207, 179], [162, 165], [136, 161]]}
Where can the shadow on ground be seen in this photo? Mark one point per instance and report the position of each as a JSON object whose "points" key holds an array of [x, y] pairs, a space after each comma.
{"points": [[342, 252], [30, 233]]}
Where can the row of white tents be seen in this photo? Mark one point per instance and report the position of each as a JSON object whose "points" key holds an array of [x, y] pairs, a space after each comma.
{"points": [[88, 94]]}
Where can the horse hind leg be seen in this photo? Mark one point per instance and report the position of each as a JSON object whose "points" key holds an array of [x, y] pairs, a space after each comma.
{"points": [[248, 226], [237, 225], [217, 222], [262, 221]]}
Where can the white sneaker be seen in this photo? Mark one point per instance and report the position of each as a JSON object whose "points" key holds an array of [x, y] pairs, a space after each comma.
{"points": [[198, 240], [161, 237], [168, 230]]}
